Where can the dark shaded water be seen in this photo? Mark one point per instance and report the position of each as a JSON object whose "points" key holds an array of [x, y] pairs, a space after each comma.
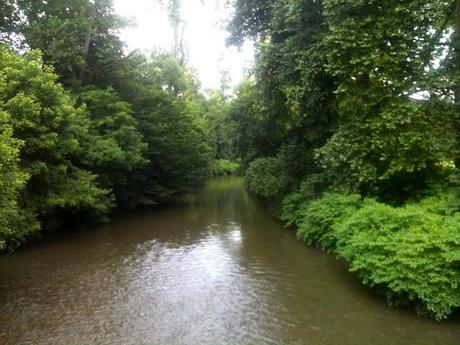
{"points": [[212, 268]]}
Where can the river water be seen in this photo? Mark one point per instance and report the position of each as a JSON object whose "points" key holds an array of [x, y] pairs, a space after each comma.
{"points": [[210, 268]]}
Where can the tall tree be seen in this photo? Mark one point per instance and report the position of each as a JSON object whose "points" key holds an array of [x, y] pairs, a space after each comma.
{"points": [[119, 150], [378, 54], [16, 223], [79, 38], [456, 42], [170, 113], [51, 133], [178, 25], [8, 20]]}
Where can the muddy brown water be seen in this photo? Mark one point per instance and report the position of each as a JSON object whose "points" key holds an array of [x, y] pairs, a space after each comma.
{"points": [[211, 268]]}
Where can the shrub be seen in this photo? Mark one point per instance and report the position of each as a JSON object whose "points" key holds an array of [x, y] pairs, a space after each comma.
{"points": [[266, 178], [223, 167], [412, 253], [315, 220], [443, 203]]}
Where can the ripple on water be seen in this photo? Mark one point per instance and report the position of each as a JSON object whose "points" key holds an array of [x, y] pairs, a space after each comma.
{"points": [[216, 269]]}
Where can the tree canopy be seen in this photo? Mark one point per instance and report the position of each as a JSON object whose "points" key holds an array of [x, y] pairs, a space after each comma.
{"points": [[87, 126]]}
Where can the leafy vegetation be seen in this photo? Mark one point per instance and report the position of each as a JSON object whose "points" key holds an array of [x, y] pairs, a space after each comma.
{"points": [[86, 127], [223, 167], [349, 122], [315, 220], [42, 117], [410, 252], [413, 253], [265, 177], [14, 222]]}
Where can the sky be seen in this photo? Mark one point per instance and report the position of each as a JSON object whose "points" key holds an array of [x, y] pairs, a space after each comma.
{"points": [[204, 37]]}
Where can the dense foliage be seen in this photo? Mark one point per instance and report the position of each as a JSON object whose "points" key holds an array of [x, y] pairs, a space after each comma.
{"points": [[266, 178], [349, 120], [223, 167], [412, 251], [14, 222], [86, 127], [50, 129]]}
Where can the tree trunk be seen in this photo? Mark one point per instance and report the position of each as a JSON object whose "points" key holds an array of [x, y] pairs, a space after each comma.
{"points": [[457, 52], [88, 37], [456, 74]]}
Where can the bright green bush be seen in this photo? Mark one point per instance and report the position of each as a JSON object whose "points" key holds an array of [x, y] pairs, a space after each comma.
{"points": [[443, 203], [309, 189], [266, 178], [413, 254], [223, 167], [315, 220]]}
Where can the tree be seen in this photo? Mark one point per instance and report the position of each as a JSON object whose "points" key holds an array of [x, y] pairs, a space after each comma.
{"points": [[15, 223], [170, 113], [42, 117], [8, 21], [295, 95], [117, 149], [79, 38], [121, 130], [364, 96], [335, 82], [178, 25], [456, 43], [387, 143], [456, 69]]}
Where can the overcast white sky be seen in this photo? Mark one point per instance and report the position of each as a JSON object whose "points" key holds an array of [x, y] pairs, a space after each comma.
{"points": [[204, 36]]}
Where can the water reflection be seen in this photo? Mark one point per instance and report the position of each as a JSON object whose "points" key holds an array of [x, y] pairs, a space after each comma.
{"points": [[211, 268]]}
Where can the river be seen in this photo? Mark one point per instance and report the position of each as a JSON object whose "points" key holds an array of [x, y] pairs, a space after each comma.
{"points": [[210, 268]]}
